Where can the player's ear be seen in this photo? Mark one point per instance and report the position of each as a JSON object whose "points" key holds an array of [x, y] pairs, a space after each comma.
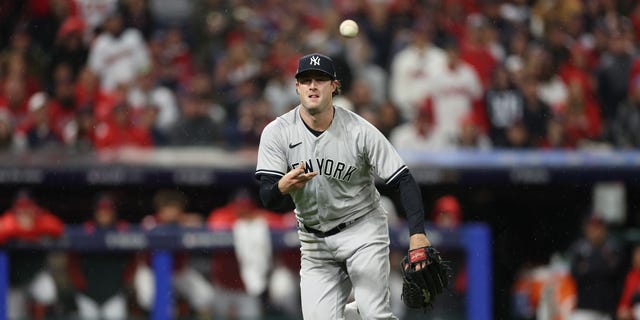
{"points": [[337, 90]]}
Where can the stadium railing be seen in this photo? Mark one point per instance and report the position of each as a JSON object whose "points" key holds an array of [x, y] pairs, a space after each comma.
{"points": [[474, 239]]}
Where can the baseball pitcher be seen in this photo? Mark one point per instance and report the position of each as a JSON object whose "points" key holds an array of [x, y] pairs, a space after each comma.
{"points": [[322, 160]]}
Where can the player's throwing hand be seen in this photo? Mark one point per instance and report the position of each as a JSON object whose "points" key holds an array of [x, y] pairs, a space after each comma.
{"points": [[295, 179]]}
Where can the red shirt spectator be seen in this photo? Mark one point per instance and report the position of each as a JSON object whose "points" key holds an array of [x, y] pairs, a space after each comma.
{"points": [[581, 116], [26, 220], [120, 131], [578, 69], [474, 50]]}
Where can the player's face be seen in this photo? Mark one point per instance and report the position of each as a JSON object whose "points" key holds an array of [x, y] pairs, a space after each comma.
{"points": [[316, 91]]}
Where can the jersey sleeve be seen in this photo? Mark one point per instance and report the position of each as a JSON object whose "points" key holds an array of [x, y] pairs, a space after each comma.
{"points": [[271, 156], [383, 157]]}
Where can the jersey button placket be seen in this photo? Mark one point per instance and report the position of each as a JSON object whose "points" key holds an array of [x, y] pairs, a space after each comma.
{"points": [[318, 185]]}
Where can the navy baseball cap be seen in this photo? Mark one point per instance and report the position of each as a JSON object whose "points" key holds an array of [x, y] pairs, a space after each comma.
{"points": [[316, 62]]}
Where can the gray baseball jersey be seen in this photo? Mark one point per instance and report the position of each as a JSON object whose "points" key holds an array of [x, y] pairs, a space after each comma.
{"points": [[347, 156]]}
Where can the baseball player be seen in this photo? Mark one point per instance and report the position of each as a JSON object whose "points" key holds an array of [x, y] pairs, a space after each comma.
{"points": [[323, 160]]}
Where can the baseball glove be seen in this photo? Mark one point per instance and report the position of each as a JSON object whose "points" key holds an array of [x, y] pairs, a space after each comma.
{"points": [[421, 286]]}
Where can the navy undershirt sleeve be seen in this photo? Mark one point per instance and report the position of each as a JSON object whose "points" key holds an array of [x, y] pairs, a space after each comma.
{"points": [[411, 200], [271, 196]]}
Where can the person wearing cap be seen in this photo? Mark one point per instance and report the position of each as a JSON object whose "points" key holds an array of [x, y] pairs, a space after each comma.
{"points": [[322, 160], [240, 274], [101, 280], [31, 285], [193, 292], [596, 266], [69, 48], [36, 130]]}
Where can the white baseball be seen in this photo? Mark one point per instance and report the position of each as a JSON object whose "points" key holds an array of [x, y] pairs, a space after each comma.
{"points": [[348, 28]]}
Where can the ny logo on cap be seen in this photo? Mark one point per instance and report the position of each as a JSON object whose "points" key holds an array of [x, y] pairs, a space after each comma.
{"points": [[315, 61]]}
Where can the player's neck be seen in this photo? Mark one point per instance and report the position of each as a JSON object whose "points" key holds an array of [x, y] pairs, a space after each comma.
{"points": [[319, 121]]}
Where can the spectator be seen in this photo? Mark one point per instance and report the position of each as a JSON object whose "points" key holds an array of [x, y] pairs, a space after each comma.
{"points": [[34, 58], [146, 91], [281, 64], [45, 18], [148, 119], [17, 87], [94, 13], [518, 137], [629, 304], [37, 131], [536, 112], [173, 60], [471, 135], [236, 68], [413, 67], [544, 291], [62, 105], [137, 15], [253, 116], [195, 127], [551, 89], [171, 216], [120, 131], [504, 105], [117, 54], [595, 260], [613, 74], [102, 279], [447, 212], [69, 47], [419, 133], [278, 93], [87, 90], [577, 69], [82, 130], [388, 118], [453, 91], [378, 24], [624, 131], [241, 276], [447, 216], [555, 137], [361, 58], [581, 118], [475, 50], [31, 286], [360, 96]]}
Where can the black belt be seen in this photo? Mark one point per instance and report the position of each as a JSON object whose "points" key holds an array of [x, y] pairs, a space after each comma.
{"points": [[330, 232]]}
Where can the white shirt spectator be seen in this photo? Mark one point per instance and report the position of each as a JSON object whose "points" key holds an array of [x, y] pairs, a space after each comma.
{"points": [[118, 59], [453, 92], [554, 93], [162, 98], [280, 96], [411, 70], [94, 13]]}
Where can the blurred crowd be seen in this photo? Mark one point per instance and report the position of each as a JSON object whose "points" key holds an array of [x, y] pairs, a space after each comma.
{"points": [[91, 75], [101, 74]]}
